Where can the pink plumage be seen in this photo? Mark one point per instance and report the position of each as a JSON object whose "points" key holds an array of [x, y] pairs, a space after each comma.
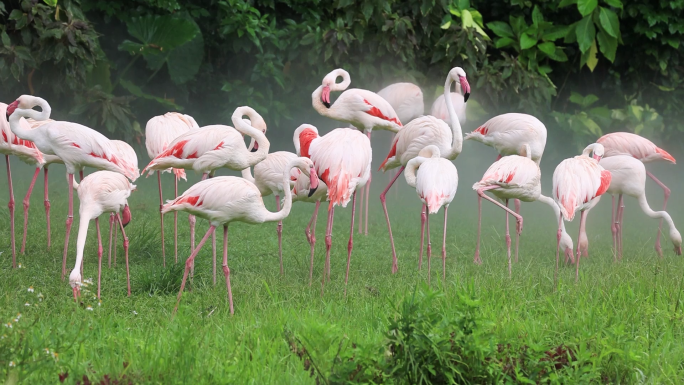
{"points": [[406, 99], [161, 130], [507, 133], [626, 143]]}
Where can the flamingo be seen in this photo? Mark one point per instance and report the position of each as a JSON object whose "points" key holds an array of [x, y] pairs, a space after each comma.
{"points": [[514, 177], [126, 152], [578, 184], [342, 158], [78, 146], [363, 109], [222, 200], [625, 143], [213, 147], [435, 180], [100, 192], [160, 131], [507, 133], [421, 132], [440, 109], [267, 177]]}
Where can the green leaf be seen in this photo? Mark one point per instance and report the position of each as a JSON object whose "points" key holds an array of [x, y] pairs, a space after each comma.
{"points": [[477, 17], [501, 29], [137, 91], [308, 38], [576, 98], [571, 36], [463, 4], [666, 89], [590, 124], [446, 22], [504, 42], [162, 33], [614, 3], [585, 32], [586, 7], [100, 75], [556, 32], [537, 16], [565, 3], [367, 10], [608, 45], [592, 58], [527, 42], [52, 3], [548, 48], [6, 42], [609, 22], [518, 24], [559, 55], [467, 19], [184, 62]]}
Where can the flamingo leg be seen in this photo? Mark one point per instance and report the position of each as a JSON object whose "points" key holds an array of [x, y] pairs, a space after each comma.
{"points": [[10, 205], [476, 258], [579, 252], [666, 192], [383, 200], [279, 230], [69, 221], [27, 203], [361, 213], [446, 208], [328, 245], [370, 179], [116, 237], [125, 246], [80, 174], [213, 253], [350, 245], [508, 243], [226, 270], [111, 222], [175, 224], [189, 263], [613, 228], [620, 210], [519, 218], [516, 202], [429, 245], [193, 220], [584, 245], [161, 216], [311, 236], [558, 239], [99, 256], [46, 203], [423, 217]]}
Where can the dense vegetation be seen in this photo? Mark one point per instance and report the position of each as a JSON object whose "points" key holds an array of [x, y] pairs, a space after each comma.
{"points": [[590, 66]]}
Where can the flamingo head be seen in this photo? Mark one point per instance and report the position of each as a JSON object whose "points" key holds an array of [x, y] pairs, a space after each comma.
{"points": [[126, 216], [313, 180], [325, 96], [676, 239], [598, 153], [75, 282], [457, 73]]}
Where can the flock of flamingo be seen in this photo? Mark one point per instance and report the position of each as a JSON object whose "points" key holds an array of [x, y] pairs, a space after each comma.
{"points": [[328, 168]]}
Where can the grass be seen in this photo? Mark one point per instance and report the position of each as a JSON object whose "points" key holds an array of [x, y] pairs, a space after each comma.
{"points": [[624, 318]]}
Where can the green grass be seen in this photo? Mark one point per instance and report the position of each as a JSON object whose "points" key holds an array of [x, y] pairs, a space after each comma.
{"points": [[625, 317]]}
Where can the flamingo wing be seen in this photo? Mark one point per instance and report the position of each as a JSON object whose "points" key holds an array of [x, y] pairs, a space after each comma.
{"points": [[577, 181], [512, 170], [370, 103]]}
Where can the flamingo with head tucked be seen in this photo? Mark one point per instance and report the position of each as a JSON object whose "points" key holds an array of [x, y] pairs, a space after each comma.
{"points": [[76, 145], [226, 199]]}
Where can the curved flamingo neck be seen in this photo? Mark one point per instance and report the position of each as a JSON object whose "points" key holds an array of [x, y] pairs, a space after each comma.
{"points": [[287, 199], [411, 170], [27, 133], [249, 130], [457, 134], [346, 80], [247, 175]]}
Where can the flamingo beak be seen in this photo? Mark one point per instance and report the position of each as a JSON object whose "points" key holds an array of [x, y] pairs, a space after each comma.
{"points": [[13, 106], [126, 216], [597, 158], [325, 96], [465, 87], [313, 181], [255, 147]]}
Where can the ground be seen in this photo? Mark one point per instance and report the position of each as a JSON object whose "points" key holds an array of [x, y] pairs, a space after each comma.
{"points": [[619, 315]]}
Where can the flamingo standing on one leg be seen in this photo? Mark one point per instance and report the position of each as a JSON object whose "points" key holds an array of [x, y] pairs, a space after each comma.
{"points": [[213, 147], [578, 184], [77, 145], [98, 193], [160, 131], [361, 108], [421, 132], [435, 180], [342, 158], [226, 199], [625, 143]]}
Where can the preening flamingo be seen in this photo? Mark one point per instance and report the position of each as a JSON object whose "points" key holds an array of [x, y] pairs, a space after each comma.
{"points": [[267, 177], [363, 109], [225, 199], [76, 145], [440, 109], [419, 133], [628, 176], [160, 131], [98, 193], [213, 147], [513, 177], [626, 143], [578, 184], [342, 158], [435, 180]]}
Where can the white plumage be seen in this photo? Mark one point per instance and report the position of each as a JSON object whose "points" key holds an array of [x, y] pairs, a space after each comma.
{"points": [[508, 133]]}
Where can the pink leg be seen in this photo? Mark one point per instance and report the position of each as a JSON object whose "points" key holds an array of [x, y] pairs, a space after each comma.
{"points": [[361, 214], [27, 203], [47, 207], [328, 245], [666, 192], [311, 236], [429, 245], [125, 246], [395, 265], [193, 220], [370, 179], [80, 173], [189, 263], [444, 246], [423, 217], [613, 228], [10, 205], [579, 252], [213, 260], [476, 258], [508, 242], [226, 270], [69, 221], [161, 216], [558, 239], [584, 241], [99, 256], [279, 230], [350, 245], [621, 207], [175, 224], [517, 231], [111, 222], [519, 218], [116, 237]]}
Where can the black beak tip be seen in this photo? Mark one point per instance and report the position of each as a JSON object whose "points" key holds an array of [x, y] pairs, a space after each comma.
{"points": [[254, 149], [466, 96], [312, 192], [326, 104]]}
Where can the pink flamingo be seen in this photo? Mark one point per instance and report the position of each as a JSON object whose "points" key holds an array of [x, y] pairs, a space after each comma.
{"points": [[78, 146], [100, 192], [342, 158], [578, 184], [126, 152], [406, 99], [363, 109], [421, 132], [625, 143], [160, 131], [213, 147], [440, 109], [225, 199], [435, 180], [514, 177]]}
